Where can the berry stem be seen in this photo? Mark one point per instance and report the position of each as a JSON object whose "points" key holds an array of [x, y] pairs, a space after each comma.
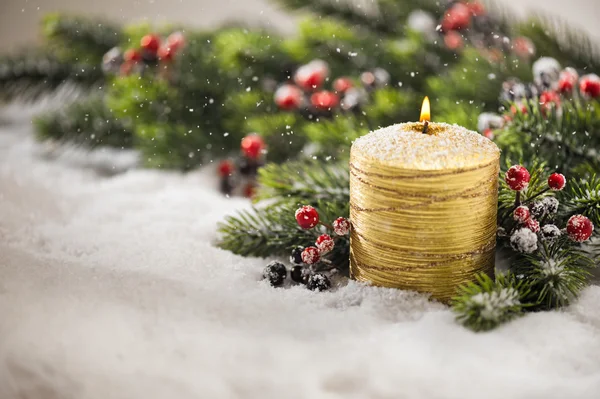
{"points": [[330, 227], [536, 195]]}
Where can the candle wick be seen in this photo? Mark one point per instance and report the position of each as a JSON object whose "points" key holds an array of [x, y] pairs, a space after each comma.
{"points": [[425, 126]]}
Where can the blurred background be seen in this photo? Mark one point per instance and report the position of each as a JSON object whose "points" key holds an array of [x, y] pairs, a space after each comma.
{"points": [[19, 18]]}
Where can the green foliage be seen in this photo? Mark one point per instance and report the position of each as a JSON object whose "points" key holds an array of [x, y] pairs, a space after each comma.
{"points": [[80, 40], [567, 137], [88, 123], [557, 273], [485, 304], [583, 197], [26, 77], [271, 229]]}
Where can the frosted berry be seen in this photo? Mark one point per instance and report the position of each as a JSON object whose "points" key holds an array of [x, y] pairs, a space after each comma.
{"points": [[132, 55], [253, 146], [324, 100], [150, 43], [165, 54], [310, 255], [517, 177], [550, 232], [589, 85], [532, 225], [489, 134], [275, 272], [476, 8], [341, 85], [309, 77], [307, 217], [288, 97], [175, 41], [537, 209], [524, 240], [521, 214], [325, 243], [523, 47], [318, 282], [300, 274], [579, 228], [456, 18], [550, 205], [225, 168], [296, 255], [557, 181], [341, 226], [453, 40], [567, 80]]}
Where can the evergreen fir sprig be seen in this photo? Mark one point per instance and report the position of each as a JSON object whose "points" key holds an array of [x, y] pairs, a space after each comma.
{"points": [[583, 197], [304, 182], [79, 39], [556, 273], [88, 123], [486, 303], [26, 77]]}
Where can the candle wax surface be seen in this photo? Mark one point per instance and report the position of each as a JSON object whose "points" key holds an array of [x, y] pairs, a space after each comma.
{"points": [[444, 146]]}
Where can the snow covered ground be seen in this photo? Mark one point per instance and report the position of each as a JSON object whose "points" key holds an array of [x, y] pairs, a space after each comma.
{"points": [[110, 288]]}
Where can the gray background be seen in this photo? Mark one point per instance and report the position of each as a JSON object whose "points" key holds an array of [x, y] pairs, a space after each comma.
{"points": [[19, 18]]}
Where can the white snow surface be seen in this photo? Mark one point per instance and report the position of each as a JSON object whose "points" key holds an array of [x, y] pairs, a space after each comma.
{"points": [[110, 287]]}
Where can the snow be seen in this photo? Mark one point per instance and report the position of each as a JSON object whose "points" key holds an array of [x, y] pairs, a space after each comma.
{"points": [[110, 287]]}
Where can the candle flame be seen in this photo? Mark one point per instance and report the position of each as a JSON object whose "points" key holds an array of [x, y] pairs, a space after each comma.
{"points": [[425, 112]]}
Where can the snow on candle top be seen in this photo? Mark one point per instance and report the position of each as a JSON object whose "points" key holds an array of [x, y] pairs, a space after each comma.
{"points": [[443, 147]]}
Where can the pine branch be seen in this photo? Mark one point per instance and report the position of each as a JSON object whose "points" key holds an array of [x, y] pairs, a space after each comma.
{"points": [[304, 182], [28, 76], [78, 39], [385, 16], [485, 304], [88, 123], [557, 273], [583, 197]]}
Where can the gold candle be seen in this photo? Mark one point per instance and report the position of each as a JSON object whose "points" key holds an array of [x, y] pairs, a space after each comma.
{"points": [[423, 203]]}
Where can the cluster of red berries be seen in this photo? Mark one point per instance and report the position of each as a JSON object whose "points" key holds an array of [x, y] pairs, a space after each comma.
{"points": [[152, 50], [579, 228], [305, 259], [242, 172], [306, 91], [307, 217]]}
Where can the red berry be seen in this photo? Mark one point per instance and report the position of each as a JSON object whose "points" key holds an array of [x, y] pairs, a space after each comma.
{"points": [[252, 146], [341, 85], [517, 177], [567, 80], [523, 47], [557, 181], [132, 55], [341, 226], [249, 190], [288, 97], [549, 97], [521, 214], [456, 18], [175, 41], [453, 40], [589, 85], [309, 77], [225, 168], [165, 54], [476, 8], [325, 243], [488, 133], [310, 255], [522, 108], [307, 217], [324, 100], [579, 228], [532, 225], [150, 43]]}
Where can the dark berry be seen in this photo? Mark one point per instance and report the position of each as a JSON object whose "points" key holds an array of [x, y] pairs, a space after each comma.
{"points": [[300, 274], [550, 232], [296, 255], [247, 167], [275, 272], [318, 282], [538, 210]]}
